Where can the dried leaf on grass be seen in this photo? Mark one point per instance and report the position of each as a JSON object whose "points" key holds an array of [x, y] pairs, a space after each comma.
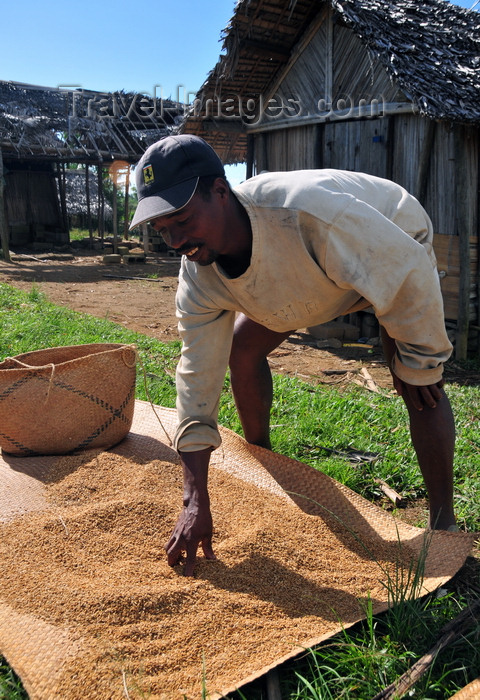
{"points": [[365, 379]]}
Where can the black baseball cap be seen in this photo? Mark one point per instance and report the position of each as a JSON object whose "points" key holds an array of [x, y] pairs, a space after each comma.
{"points": [[167, 175]]}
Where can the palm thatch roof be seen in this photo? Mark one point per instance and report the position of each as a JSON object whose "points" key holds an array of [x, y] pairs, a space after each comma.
{"points": [[430, 49], [76, 193], [81, 125]]}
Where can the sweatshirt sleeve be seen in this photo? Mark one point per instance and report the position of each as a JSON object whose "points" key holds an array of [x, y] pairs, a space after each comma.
{"points": [[389, 268], [207, 334]]}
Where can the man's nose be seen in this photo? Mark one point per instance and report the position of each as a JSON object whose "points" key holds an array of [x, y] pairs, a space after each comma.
{"points": [[173, 237], [170, 235]]}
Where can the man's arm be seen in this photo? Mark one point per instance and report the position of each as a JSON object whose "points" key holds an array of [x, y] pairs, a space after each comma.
{"points": [[194, 525], [206, 330]]}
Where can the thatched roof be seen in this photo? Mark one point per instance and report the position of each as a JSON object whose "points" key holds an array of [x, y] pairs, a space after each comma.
{"points": [[76, 193], [429, 48], [81, 125]]}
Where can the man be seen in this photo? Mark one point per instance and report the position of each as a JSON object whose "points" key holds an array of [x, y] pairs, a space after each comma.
{"points": [[285, 251]]}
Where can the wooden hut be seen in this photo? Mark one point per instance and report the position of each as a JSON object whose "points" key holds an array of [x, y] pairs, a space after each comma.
{"points": [[82, 199], [387, 87], [43, 129]]}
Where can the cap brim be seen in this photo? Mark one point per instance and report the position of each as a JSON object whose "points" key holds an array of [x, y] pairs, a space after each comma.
{"points": [[167, 202]]}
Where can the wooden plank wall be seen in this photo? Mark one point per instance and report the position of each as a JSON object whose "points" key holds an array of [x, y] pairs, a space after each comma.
{"points": [[359, 145], [32, 198], [307, 80], [448, 262], [440, 200], [335, 72], [408, 133], [408, 148], [355, 73], [32, 204], [287, 149], [362, 146]]}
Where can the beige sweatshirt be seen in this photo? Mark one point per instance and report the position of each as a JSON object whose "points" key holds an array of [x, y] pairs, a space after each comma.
{"points": [[325, 243]]}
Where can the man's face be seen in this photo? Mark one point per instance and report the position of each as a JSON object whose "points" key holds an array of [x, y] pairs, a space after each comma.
{"points": [[197, 230]]}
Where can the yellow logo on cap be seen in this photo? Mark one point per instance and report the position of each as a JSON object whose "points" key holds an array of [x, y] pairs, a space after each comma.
{"points": [[148, 177]]}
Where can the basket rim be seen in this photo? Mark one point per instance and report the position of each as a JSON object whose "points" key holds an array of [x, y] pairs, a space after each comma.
{"points": [[84, 350]]}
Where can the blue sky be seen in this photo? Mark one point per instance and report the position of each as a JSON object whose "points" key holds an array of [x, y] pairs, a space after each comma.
{"points": [[107, 45], [163, 48]]}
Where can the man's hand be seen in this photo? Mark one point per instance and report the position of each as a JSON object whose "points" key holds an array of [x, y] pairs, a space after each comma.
{"points": [[194, 526], [419, 396]]}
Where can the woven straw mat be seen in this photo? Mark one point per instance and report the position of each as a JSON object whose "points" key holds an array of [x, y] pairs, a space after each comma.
{"points": [[39, 651], [470, 692]]}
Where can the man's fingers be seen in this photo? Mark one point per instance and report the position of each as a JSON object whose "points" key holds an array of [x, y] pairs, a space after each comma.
{"points": [[193, 527], [174, 555], [192, 554], [176, 546], [171, 543], [191, 558], [428, 396], [207, 548], [436, 390], [421, 396], [398, 385], [174, 549]]}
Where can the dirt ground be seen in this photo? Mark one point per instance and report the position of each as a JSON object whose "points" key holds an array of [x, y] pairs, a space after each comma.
{"points": [[141, 297], [81, 281]]}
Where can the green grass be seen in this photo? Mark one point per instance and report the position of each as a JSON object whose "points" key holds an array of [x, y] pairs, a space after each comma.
{"points": [[77, 234], [10, 685], [360, 661], [313, 424]]}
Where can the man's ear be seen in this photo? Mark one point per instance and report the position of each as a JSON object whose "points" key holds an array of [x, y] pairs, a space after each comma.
{"points": [[221, 188]]}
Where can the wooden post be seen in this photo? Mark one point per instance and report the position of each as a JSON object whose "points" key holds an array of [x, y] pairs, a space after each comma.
{"points": [[4, 233], [127, 188], [144, 228], [250, 155], [114, 212], [466, 205], [62, 177], [390, 147], [272, 681], [424, 161], [101, 201], [87, 191], [261, 139]]}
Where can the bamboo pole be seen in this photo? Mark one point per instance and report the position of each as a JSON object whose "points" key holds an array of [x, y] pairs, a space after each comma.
{"points": [[250, 155], [145, 236], [464, 197], [63, 201], [101, 202], [127, 190], [89, 213], [114, 213], [4, 233]]}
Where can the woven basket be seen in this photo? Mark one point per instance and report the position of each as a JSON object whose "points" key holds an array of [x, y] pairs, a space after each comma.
{"points": [[60, 400]]}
